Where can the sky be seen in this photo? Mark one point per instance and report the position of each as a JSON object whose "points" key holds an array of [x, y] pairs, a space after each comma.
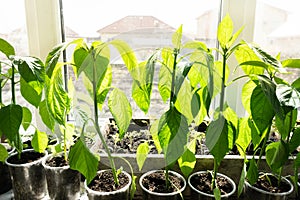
{"points": [[95, 14], [86, 17]]}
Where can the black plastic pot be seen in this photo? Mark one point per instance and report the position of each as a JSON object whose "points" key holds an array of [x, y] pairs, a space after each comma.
{"points": [[62, 182], [28, 180], [197, 194], [123, 193], [252, 192], [5, 180], [162, 196]]}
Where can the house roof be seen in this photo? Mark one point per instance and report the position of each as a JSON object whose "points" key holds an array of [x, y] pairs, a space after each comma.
{"points": [[131, 23]]}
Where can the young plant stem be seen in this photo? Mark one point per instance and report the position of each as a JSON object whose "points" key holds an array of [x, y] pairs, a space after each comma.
{"points": [[167, 178], [110, 158], [264, 145], [65, 143], [214, 180], [13, 95], [172, 100], [222, 97]]}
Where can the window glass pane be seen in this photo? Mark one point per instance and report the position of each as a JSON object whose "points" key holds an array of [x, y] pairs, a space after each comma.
{"points": [[277, 28], [145, 26], [13, 30]]}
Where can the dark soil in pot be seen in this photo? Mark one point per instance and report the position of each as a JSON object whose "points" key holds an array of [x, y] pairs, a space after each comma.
{"points": [[156, 182], [26, 157], [57, 162], [104, 182], [62, 182], [203, 182], [269, 183]]}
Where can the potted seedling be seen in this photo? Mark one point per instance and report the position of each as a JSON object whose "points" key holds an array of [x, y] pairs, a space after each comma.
{"points": [[93, 64], [29, 73], [221, 132], [177, 83], [62, 181], [270, 101]]}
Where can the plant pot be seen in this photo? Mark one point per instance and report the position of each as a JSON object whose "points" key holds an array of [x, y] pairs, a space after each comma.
{"points": [[5, 181], [122, 193], [252, 192], [62, 182], [197, 194], [147, 194], [28, 179]]}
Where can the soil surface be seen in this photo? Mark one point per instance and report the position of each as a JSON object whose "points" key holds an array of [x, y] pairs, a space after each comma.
{"points": [[203, 183], [58, 161], [269, 183], [26, 157], [156, 182], [104, 182]]}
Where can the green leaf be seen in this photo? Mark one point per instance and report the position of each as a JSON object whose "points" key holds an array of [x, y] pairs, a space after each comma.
{"points": [[195, 45], [142, 84], [31, 69], [242, 179], [58, 101], [234, 37], [225, 30], [277, 154], [220, 138], [172, 134], [120, 108], [141, 154], [6, 48], [133, 187], [285, 126], [29, 93], [10, 122], [184, 100], [176, 38], [288, 96], [187, 162], [244, 54], [291, 63], [261, 109], [217, 193], [126, 53], [252, 173], [154, 134], [27, 117], [165, 76], [244, 135], [264, 56], [247, 93], [46, 116], [3, 150], [54, 55], [269, 89], [39, 141], [181, 74], [82, 160], [103, 87], [295, 140]]}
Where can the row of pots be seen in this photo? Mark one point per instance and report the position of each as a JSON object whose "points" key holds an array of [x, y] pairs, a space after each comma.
{"points": [[36, 180]]}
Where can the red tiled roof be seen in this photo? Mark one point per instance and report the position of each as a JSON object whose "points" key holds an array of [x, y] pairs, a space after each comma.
{"points": [[130, 23]]}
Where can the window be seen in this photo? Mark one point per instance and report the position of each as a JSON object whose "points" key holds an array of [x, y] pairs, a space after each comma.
{"points": [[145, 26], [277, 29], [13, 29]]}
